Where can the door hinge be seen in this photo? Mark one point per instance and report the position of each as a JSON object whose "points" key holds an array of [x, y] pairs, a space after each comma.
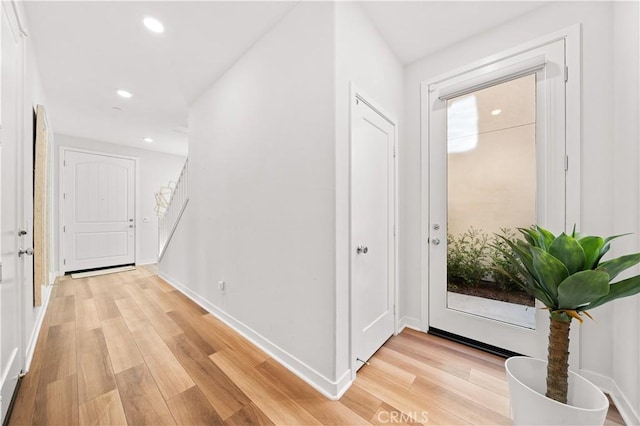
{"points": [[64, 163], [64, 196], [394, 151], [566, 73], [394, 309], [64, 262], [64, 229], [394, 230], [566, 163]]}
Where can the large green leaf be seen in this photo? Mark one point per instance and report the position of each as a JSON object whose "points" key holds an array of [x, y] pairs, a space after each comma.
{"points": [[569, 252], [592, 247], [582, 288], [528, 285], [546, 238], [531, 235], [549, 271], [615, 266], [607, 246], [624, 288]]}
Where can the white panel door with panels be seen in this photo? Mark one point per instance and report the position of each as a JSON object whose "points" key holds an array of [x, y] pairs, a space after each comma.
{"points": [[99, 210], [372, 223]]}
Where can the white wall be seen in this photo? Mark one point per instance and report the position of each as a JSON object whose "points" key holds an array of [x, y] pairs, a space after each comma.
{"points": [[156, 170], [261, 214], [626, 192], [599, 189], [364, 59], [33, 95]]}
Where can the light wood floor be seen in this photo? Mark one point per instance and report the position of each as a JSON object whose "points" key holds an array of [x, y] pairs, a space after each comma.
{"points": [[128, 348]]}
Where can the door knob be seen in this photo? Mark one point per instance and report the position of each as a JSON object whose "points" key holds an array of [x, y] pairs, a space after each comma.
{"points": [[131, 226], [435, 241], [28, 252], [362, 249], [22, 232]]}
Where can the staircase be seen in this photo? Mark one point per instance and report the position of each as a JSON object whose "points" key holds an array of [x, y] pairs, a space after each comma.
{"points": [[168, 222]]}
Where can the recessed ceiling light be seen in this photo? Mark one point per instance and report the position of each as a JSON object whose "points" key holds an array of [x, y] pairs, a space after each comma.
{"points": [[153, 25], [124, 93], [147, 140], [496, 112]]}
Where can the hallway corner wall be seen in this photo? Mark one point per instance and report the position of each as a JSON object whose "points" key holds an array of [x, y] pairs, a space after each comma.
{"points": [[261, 212], [626, 199]]}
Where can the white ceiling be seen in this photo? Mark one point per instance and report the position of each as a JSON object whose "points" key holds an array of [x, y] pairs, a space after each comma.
{"points": [[88, 50], [415, 29]]}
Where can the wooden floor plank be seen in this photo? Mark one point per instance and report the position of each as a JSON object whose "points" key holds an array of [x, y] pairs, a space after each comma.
{"points": [[181, 319], [104, 410], [106, 307], [407, 401], [361, 402], [132, 315], [262, 391], [87, 314], [123, 350], [171, 378], [59, 404], [142, 401], [249, 415], [191, 407], [60, 360], [128, 348], [160, 320], [219, 389], [95, 372], [64, 310]]}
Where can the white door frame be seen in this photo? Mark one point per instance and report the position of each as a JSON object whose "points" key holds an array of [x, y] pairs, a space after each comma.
{"points": [[573, 137], [357, 93], [136, 207]]}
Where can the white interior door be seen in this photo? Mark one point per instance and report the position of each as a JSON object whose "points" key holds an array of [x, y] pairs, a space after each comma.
{"points": [[10, 301], [99, 211], [372, 224], [496, 149]]}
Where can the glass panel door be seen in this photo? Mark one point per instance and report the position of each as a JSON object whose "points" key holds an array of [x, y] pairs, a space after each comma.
{"points": [[491, 190], [496, 163]]}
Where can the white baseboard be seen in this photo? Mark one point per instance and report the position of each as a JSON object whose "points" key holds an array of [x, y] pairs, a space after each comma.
{"points": [[608, 385], [147, 261], [33, 339], [408, 322], [331, 389]]}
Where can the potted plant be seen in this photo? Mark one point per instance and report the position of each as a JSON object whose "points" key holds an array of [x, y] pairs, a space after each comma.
{"points": [[567, 274]]}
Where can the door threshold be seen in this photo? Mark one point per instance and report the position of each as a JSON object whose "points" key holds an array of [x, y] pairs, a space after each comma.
{"points": [[504, 353], [101, 271]]}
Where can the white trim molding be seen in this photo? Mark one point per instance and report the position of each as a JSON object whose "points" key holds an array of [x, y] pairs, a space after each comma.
{"points": [[35, 332], [329, 388], [609, 386]]}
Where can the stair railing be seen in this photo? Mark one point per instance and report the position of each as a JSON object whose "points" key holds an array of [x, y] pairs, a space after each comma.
{"points": [[168, 222]]}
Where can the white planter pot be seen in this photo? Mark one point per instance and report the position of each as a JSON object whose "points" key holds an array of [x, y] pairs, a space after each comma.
{"points": [[527, 377]]}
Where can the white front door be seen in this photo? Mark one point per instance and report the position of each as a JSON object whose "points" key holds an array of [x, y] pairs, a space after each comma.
{"points": [[99, 211], [372, 224], [11, 327], [496, 159]]}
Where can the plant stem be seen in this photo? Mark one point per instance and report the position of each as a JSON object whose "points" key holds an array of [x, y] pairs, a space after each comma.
{"points": [[558, 368]]}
